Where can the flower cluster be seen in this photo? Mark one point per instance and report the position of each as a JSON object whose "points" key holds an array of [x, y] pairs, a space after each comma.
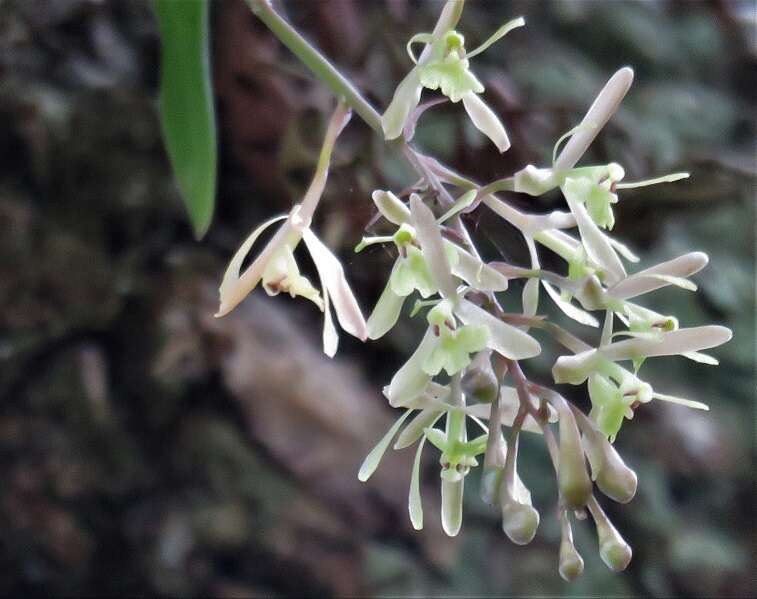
{"points": [[466, 367]]}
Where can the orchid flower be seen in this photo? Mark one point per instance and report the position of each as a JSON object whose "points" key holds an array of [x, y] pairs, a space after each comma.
{"points": [[276, 266], [410, 271], [614, 390], [590, 191], [444, 65], [458, 454], [440, 347]]}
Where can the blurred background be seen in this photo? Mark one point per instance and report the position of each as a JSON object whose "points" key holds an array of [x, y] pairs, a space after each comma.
{"points": [[147, 448]]}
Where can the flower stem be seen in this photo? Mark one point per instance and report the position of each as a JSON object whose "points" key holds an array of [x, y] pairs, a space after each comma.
{"points": [[316, 62]]}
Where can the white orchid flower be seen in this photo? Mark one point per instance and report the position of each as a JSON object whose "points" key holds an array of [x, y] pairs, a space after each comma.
{"points": [[410, 271], [444, 65], [614, 390], [277, 268], [443, 345], [590, 191]]}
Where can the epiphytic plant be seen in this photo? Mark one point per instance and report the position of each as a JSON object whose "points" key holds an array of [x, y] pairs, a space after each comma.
{"points": [[466, 368]]}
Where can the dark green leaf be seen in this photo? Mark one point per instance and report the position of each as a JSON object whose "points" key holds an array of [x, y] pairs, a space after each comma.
{"points": [[186, 104]]}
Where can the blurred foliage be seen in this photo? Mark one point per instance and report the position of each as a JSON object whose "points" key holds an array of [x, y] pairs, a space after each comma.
{"points": [[150, 449]]}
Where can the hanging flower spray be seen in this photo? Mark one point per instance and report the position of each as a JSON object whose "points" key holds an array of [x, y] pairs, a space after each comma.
{"points": [[466, 367]]}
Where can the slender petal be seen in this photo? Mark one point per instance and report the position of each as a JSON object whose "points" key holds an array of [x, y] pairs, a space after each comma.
{"points": [[497, 35], [689, 403], [460, 204], [486, 121], [599, 113], [623, 250], [233, 290], [701, 358], [597, 244], [505, 339], [531, 297], [332, 274], [410, 380], [416, 427], [476, 273], [569, 309], [330, 335], [414, 503], [372, 460], [668, 344], [386, 312], [432, 245], [653, 278], [406, 98]]}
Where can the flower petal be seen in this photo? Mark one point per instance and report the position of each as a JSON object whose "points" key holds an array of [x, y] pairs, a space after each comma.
{"points": [[432, 245], [332, 276], [668, 344], [486, 121], [672, 272], [569, 309], [233, 290], [623, 250], [697, 405], [497, 35], [597, 244], [701, 358], [386, 312], [410, 380], [504, 339], [531, 297], [452, 506], [330, 335], [416, 427], [476, 273], [372, 460], [414, 503], [406, 98], [603, 107]]}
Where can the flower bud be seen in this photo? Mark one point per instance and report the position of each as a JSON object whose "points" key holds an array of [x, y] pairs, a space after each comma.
{"points": [[614, 551], [573, 478], [571, 562], [391, 207], [479, 382], [615, 479], [491, 481], [519, 521]]}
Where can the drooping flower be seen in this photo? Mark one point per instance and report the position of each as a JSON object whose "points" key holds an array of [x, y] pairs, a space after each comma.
{"points": [[444, 65], [276, 266]]}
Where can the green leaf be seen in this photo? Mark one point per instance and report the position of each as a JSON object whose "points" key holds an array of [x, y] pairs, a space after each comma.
{"points": [[186, 105]]}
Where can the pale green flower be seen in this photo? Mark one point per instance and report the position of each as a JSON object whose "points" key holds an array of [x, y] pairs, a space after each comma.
{"points": [[444, 65], [613, 389], [454, 344], [411, 271]]}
